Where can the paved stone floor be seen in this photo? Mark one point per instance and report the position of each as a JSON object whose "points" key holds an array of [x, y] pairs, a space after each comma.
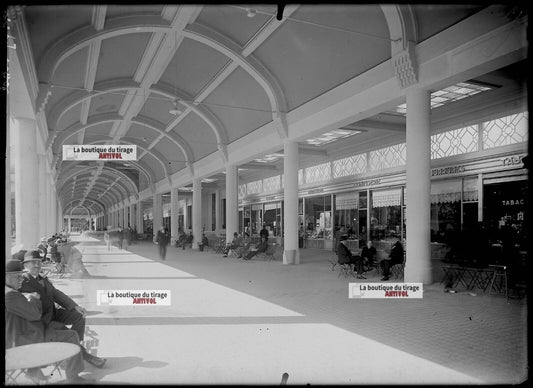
{"points": [[235, 322]]}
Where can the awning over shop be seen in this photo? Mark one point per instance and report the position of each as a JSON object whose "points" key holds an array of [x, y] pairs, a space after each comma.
{"points": [[346, 201], [446, 191], [385, 198]]}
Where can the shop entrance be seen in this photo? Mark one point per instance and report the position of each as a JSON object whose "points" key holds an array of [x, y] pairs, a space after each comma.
{"points": [[504, 208]]}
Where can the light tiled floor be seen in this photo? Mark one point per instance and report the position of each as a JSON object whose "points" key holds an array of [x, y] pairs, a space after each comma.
{"points": [[249, 322]]}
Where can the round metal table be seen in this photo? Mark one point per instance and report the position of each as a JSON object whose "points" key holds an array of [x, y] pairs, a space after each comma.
{"points": [[21, 358]]}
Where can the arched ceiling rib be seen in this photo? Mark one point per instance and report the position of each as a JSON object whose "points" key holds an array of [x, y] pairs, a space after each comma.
{"points": [[134, 24], [67, 174]]}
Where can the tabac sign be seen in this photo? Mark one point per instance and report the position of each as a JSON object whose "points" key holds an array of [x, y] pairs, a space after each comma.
{"points": [[100, 152]]}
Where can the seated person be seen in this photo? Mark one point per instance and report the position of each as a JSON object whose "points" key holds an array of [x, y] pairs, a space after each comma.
{"points": [[67, 311], [189, 240], [23, 313], [72, 259], [244, 249], [260, 247], [43, 248], [344, 256], [235, 243], [205, 241], [395, 257], [369, 255], [181, 239]]}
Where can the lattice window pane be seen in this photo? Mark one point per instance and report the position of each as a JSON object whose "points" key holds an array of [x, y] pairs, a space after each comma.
{"points": [[388, 157], [271, 184], [255, 187], [455, 142], [242, 191], [301, 176], [318, 173], [349, 166], [506, 130]]}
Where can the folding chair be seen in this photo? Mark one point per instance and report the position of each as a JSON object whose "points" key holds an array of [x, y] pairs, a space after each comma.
{"points": [[268, 254], [346, 270]]}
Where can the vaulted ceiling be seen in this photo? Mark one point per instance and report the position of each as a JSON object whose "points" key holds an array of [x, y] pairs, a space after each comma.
{"points": [[184, 82]]}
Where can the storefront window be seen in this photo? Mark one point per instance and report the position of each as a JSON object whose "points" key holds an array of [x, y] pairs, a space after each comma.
{"points": [[385, 217], [272, 218], [318, 222], [257, 218], [445, 209]]}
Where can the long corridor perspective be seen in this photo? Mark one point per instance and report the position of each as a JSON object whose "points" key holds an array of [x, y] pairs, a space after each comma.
{"points": [[235, 322]]}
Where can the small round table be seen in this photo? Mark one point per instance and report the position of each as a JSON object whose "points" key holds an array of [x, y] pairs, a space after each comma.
{"points": [[21, 358]]}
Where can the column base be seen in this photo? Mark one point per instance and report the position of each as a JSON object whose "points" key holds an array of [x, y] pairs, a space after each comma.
{"points": [[291, 256]]}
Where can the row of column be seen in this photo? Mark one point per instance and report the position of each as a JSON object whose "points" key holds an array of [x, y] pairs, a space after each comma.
{"points": [[418, 263], [37, 210]]}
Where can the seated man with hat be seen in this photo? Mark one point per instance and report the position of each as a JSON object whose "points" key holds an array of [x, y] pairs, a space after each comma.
{"points": [[70, 313], [345, 256], [23, 324]]}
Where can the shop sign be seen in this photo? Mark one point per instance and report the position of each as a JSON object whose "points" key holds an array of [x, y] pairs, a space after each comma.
{"points": [[513, 160], [447, 170], [512, 202], [370, 182], [315, 191]]}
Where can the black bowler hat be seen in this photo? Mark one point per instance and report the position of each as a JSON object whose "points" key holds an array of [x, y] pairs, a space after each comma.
{"points": [[13, 266]]}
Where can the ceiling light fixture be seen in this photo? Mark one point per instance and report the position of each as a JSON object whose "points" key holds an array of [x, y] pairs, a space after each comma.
{"points": [[175, 111], [250, 12]]}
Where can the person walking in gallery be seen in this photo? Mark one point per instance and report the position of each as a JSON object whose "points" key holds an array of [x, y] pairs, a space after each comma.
{"points": [[162, 239], [260, 247], [345, 256], [23, 314], [395, 257], [67, 311]]}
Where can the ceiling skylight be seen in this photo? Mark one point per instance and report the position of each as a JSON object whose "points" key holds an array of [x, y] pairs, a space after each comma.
{"points": [[331, 136], [449, 94], [269, 158]]}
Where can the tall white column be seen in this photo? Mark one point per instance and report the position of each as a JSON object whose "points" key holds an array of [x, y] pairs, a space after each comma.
{"points": [[41, 190], [197, 211], [26, 192], [7, 191], [291, 253], [218, 202], [232, 212], [132, 216], [49, 201], [157, 214], [139, 217], [418, 201], [174, 225], [69, 229]]}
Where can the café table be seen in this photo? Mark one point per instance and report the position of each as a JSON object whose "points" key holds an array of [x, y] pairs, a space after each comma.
{"points": [[39, 355]]}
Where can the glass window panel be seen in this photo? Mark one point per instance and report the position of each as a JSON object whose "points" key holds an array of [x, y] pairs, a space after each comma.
{"points": [[318, 173], [455, 142], [393, 156], [385, 217], [470, 192], [506, 130]]}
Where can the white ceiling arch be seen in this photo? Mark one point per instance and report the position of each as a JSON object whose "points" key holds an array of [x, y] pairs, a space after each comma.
{"points": [[126, 86], [69, 173], [84, 36], [59, 140]]}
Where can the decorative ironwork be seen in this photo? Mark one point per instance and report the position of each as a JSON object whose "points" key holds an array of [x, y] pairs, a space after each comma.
{"points": [[352, 165], [242, 191], [318, 173], [506, 130], [455, 142], [255, 187], [388, 157], [271, 184]]}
